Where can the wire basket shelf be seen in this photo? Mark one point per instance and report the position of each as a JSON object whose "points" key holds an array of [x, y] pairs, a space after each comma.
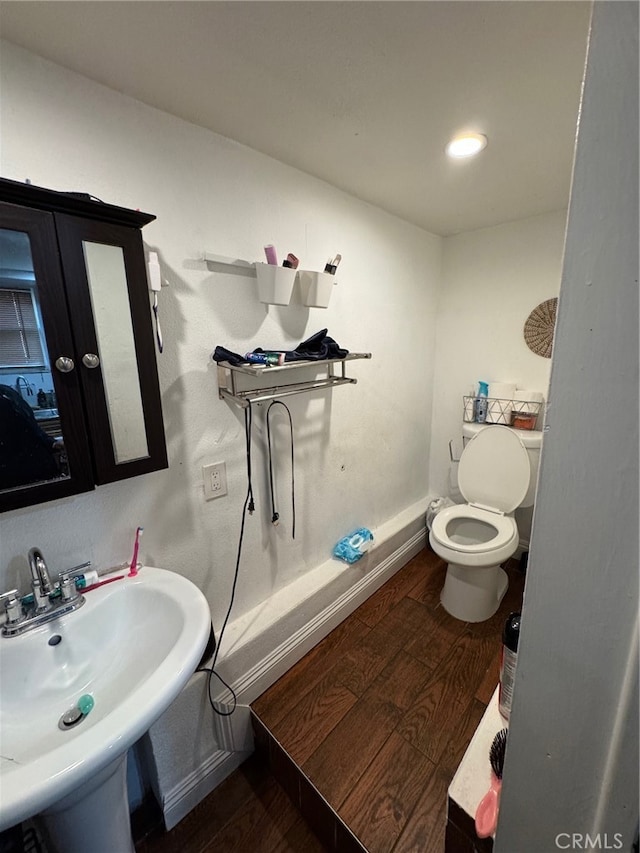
{"points": [[520, 414]]}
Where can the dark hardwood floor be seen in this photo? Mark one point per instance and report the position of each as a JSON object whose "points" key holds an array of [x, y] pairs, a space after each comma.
{"points": [[248, 813], [364, 734]]}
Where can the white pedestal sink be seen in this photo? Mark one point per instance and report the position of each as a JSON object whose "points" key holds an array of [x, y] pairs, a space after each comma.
{"points": [[132, 647], [94, 818]]}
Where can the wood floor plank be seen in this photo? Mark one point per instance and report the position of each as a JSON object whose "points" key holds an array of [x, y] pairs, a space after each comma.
{"points": [[364, 662], [424, 831], [439, 634], [275, 702], [460, 737], [339, 762], [429, 723], [309, 721], [489, 681], [299, 839], [379, 806], [397, 587], [427, 590], [210, 816], [402, 679], [260, 826]]}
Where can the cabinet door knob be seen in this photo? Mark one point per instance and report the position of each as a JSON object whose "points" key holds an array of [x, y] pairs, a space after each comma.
{"points": [[64, 364], [90, 360]]}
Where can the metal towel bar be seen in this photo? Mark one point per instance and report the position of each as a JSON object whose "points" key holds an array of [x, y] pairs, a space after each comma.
{"points": [[228, 373]]}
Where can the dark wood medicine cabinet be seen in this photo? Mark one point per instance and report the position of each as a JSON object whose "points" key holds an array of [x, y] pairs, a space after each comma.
{"points": [[79, 394]]}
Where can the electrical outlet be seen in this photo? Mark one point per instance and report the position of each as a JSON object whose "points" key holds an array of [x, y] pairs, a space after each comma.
{"points": [[215, 480]]}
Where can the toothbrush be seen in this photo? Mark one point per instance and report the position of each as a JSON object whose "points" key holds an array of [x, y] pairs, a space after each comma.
{"points": [[101, 583], [133, 568]]}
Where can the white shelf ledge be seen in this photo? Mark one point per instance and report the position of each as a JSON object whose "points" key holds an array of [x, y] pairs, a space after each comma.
{"points": [[220, 263]]}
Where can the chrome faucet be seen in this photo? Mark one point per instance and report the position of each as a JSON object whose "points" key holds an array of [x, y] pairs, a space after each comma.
{"points": [[20, 380], [22, 614], [40, 580]]}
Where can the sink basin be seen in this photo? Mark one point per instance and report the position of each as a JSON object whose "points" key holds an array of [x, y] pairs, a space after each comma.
{"points": [[132, 647], [45, 414]]}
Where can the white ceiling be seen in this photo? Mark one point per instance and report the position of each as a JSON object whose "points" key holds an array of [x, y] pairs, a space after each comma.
{"points": [[364, 95]]}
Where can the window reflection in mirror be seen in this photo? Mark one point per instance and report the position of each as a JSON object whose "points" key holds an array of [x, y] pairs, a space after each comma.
{"points": [[112, 316], [31, 441]]}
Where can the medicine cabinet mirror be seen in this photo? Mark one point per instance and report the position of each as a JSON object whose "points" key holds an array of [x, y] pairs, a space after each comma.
{"points": [[79, 394]]}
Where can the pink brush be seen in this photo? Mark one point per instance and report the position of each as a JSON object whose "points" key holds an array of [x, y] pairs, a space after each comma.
{"points": [[133, 568], [487, 811]]}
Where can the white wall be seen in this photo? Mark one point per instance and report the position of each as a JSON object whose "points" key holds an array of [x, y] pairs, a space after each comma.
{"points": [[572, 756], [492, 280], [361, 451]]}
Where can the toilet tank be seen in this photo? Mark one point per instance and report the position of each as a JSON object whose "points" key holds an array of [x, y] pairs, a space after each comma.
{"points": [[532, 440]]}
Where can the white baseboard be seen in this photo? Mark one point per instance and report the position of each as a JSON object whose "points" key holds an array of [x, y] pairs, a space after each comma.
{"points": [[199, 784], [233, 733]]}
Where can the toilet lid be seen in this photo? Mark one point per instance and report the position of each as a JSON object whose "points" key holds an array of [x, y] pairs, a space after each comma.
{"points": [[494, 469]]}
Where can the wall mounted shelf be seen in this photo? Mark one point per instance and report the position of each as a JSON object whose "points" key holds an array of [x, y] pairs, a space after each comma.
{"points": [[220, 263], [228, 375], [276, 284]]}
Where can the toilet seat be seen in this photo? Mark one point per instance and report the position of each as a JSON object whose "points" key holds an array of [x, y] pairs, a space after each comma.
{"points": [[503, 525], [494, 469]]}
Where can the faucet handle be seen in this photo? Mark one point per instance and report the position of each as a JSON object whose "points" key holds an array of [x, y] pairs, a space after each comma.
{"points": [[13, 606], [68, 589]]}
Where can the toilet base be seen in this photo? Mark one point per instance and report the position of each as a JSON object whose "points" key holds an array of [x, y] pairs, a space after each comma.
{"points": [[473, 593]]}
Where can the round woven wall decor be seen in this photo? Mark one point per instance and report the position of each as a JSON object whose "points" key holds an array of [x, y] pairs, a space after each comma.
{"points": [[539, 326]]}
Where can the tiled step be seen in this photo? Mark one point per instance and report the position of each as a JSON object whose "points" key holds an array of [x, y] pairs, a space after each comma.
{"points": [[323, 820]]}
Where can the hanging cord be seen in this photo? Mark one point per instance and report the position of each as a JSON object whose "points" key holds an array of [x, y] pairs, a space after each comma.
{"points": [[248, 506], [275, 516], [248, 419]]}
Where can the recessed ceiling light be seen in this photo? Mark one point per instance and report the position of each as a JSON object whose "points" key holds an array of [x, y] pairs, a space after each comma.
{"points": [[467, 145]]}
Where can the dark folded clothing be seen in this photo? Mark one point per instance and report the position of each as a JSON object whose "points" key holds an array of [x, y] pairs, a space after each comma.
{"points": [[222, 354], [316, 348]]}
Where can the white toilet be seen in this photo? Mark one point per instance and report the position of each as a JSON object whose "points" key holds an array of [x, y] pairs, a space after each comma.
{"points": [[494, 476]]}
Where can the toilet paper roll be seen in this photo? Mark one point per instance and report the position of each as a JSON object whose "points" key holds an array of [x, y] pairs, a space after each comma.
{"points": [[502, 390], [528, 395], [526, 400], [499, 408]]}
